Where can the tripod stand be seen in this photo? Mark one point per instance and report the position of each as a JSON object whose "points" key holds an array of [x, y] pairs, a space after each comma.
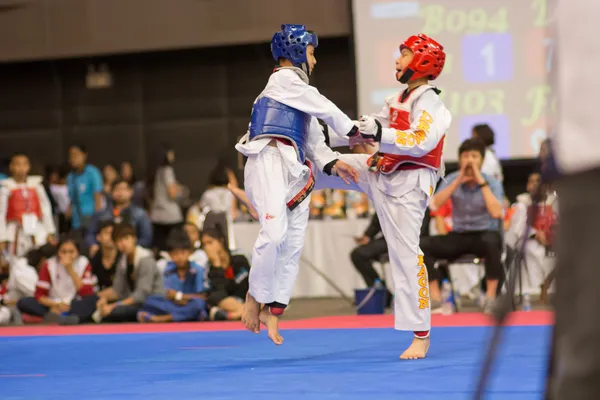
{"points": [[505, 303]]}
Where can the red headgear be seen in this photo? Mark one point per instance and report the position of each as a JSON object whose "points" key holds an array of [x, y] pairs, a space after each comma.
{"points": [[428, 61]]}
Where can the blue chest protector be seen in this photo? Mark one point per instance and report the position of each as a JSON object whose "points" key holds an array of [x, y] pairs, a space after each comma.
{"points": [[270, 118]]}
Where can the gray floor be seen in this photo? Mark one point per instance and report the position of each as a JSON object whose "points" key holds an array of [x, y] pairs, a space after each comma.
{"points": [[325, 307]]}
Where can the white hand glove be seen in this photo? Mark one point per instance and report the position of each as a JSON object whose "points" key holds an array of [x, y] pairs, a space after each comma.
{"points": [[369, 128]]}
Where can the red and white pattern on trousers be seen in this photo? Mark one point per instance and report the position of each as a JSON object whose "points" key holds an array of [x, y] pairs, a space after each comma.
{"points": [[55, 282]]}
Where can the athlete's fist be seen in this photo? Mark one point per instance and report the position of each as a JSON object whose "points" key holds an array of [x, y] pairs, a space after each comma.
{"points": [[369, 128]]}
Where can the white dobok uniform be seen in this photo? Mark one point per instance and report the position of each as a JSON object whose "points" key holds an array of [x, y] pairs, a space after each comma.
{"points": [[410, 165], [275, 177], [537, 262], [25, 215]]}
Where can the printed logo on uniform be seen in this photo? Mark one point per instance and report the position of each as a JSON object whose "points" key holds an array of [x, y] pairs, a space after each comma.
{"points": [[269, 216], [423, 285]]}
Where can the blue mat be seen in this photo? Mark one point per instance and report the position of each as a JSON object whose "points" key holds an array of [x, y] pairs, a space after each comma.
{"points": [[312, 364]]}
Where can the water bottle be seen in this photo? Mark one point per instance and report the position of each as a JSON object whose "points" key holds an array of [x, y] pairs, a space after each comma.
{"points": [[526, 302], [447, 298]]}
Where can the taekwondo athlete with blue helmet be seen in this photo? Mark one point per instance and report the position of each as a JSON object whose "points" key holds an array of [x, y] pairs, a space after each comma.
{"points": [[284, 134]]}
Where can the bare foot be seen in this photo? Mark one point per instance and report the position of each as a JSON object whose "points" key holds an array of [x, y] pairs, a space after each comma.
{"points": [[250, 314], [417, 349], [272, 324]]}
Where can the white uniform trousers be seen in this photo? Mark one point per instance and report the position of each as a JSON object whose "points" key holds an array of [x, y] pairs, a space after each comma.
{"points": [[276, 254], [401, 218]]}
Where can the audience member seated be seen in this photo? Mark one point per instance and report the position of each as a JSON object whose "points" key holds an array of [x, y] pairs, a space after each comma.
{"points": [[121, 210], [217, 198], [533, 182], [109, 177], [538, 263], [22, 279], [137, 277], [65, 289], [228, 275], [105, 261], [371, 247], [140, 196], [26, 219], [85, 190], [185, 286], [476, 212], [491, 164], [197, 256]]}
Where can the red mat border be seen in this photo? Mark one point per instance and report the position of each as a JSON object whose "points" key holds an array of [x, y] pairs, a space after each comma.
{"points": [[535, 318]]}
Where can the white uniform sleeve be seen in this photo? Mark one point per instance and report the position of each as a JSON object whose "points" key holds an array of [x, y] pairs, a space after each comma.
{"points": [[383, 116], [316, 149], [287, 88], [429, 122], [47, 218]]}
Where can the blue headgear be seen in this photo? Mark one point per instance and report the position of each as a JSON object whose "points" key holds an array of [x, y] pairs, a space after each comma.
{"points": [[291, 43]]}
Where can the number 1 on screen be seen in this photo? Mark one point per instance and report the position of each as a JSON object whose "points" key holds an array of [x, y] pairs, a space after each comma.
{"points": [[487, 52]]}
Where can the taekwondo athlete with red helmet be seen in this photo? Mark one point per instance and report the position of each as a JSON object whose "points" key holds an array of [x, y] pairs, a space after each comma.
{"points": [[401, 177], [284, 134]]}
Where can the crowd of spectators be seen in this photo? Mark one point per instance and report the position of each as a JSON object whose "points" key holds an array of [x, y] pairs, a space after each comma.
{"points": [[471, 222], [88, 244]]}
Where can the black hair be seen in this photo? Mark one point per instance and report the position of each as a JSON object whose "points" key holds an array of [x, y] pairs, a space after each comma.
{"points": [[35, 256], [218, 176], [132, 180], [161, 161], [63, 170], [216, 234], [121, 231], [119, 181], [79, 147], [69, 238], [178, 240], [103, 224], [473, 144], [485, 133]]}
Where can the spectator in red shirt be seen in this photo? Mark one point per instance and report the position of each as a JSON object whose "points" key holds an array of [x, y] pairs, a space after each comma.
{"points": [[64, 292]]}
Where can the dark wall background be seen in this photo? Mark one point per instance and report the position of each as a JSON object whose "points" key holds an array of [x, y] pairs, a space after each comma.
{"points": [[198, 101], [190, 94], [44, 29]]}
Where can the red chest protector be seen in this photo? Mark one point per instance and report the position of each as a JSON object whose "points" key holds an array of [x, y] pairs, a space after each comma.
{"points": [[545, 220], [23, 200], [400, 108]]}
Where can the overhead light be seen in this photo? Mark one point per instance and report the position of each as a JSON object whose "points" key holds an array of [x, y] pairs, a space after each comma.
{"points": [[98, 77]]}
